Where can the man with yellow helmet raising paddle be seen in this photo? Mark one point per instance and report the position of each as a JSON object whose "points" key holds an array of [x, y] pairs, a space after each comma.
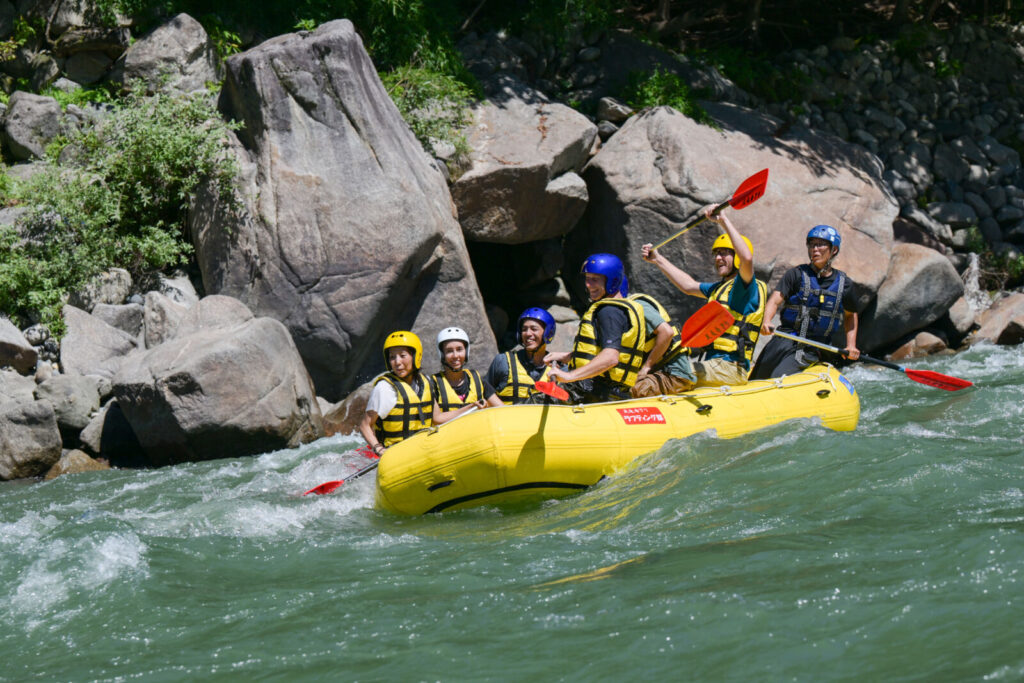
{"points": [[727, 361]]}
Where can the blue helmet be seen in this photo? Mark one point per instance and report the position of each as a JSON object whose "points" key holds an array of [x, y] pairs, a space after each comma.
{"points": [[541, 316], [608, 265], [827, 233]]}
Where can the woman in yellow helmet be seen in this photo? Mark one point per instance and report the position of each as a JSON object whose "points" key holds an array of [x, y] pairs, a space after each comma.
{"points": [[728, 359], [400, 404]]}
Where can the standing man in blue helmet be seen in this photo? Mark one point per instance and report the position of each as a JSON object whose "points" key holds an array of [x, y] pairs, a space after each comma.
{"points": [[816, 299], [514, 373], [608, 351]]}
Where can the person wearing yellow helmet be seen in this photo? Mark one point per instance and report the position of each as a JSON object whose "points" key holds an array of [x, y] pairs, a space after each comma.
{"points": [[400, 403], [727, 361]]}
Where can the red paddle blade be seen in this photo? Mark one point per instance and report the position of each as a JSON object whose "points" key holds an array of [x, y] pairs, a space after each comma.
{"points": [[552, 389], [938, 380], [750, 191], [326, 487], [706, 325]]}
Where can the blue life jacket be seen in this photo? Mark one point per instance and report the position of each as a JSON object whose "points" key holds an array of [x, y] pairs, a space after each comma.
{"points": [[812, 311]]}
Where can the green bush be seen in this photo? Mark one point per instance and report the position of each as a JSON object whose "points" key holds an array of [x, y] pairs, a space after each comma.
{"points": [[120, 201], [664, 88], [757, 74], [434, 105]]}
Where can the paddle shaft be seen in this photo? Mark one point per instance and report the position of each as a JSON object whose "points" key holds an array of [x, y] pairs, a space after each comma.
{"points": [[834, 349], [692, 224]]}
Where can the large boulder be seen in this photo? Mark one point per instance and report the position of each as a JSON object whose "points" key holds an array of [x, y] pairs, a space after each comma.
{"points": [[661, 168], [1003, 323], [74, 462], [29, 439], [920, 287], [91, 346], [30, 123], [347, 231], [15, 351], [75, 398], [108, 434], [176, 55], [523, 185], [219, 392]]}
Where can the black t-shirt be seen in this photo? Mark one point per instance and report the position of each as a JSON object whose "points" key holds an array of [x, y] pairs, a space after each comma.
{"points": [[462, 388], [793, 280], [499, 372], [610, 323]]}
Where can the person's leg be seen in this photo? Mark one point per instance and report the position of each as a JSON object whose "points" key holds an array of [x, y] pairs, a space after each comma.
{"points": [[716, 372], [659, 384]]}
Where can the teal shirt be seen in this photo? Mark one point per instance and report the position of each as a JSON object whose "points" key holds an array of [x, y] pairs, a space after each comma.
{"points": [[743, 299], [679, 367]]}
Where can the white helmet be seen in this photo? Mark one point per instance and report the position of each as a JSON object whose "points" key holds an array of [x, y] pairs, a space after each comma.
{"points": [[452, 334]]}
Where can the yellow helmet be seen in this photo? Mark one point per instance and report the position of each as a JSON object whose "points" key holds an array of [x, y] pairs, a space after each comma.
{"points": [[723, 242], [404, 338]]}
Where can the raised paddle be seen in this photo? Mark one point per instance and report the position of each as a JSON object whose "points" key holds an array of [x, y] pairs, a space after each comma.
{"points": [[749, 191], [932, 379]]}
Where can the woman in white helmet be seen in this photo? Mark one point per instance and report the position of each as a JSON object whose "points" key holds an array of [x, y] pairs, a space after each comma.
{"points": [[457, 389]]}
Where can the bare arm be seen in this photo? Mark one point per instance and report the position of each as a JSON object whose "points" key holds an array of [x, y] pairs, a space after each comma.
{"points": [[683, 281], [743, 252], [440, 418], [850, 322], [366, 429], [774, 301], [663, 337], [606, 359], [556, 357]]}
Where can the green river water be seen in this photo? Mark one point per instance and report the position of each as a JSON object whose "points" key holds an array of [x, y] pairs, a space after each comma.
{"points": [[895, 552]]}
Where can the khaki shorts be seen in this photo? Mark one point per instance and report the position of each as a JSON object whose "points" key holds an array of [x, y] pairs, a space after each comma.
{"points": [[715, 372], [658, 384]]}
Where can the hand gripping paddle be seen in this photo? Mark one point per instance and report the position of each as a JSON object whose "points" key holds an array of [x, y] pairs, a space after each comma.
{"points": [[746, 194], [932, 379]]}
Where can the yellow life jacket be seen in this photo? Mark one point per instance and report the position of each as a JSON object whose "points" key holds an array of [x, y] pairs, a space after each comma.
{"points": [[742, 336], [631, 357], [446, 397], [520, 384], [412, 413], [675, 349]]}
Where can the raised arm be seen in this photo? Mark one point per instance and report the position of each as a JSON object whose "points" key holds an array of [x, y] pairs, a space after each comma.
{"points": [[683, 281]]}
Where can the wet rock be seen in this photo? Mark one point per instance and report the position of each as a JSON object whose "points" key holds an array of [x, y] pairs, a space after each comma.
{"points": [[74, 462], [344, 418], [29, 439], [1003, 322]]}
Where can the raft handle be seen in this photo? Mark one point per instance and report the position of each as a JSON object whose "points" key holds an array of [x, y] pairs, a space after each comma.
{"points": [[440, 485], [823, 393], [704, 409]]}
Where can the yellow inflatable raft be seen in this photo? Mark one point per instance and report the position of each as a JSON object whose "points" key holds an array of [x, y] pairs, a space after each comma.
{"points": [[512, 453]]}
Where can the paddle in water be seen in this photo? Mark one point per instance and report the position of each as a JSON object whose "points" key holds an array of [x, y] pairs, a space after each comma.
{"points": [[932, 379], [749, 191], [703, 327], [330, 486]]}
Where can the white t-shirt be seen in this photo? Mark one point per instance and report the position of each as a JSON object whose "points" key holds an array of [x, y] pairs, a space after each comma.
{"points": [[383, 399]]}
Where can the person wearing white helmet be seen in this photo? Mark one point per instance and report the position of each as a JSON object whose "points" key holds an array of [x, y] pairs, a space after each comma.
{"points": [[727, 360], [457, 389], [816, 300]]}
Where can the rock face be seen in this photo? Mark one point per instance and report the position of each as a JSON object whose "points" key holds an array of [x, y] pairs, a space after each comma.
{"points": [[91, 346], [178, 51], [348, 231], [920, 287], [15, 350], [223, 391], [523, 183], [29, 124], [656, 173], [29, 440], [74, 399]]}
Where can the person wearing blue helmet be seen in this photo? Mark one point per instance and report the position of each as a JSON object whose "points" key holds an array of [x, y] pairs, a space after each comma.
{"points": [[514, 373], [608, 351], [816, 300], [727, 360]]}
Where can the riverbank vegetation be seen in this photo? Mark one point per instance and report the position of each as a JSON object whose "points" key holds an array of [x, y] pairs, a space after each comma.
{"points": [[115, 192]]}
